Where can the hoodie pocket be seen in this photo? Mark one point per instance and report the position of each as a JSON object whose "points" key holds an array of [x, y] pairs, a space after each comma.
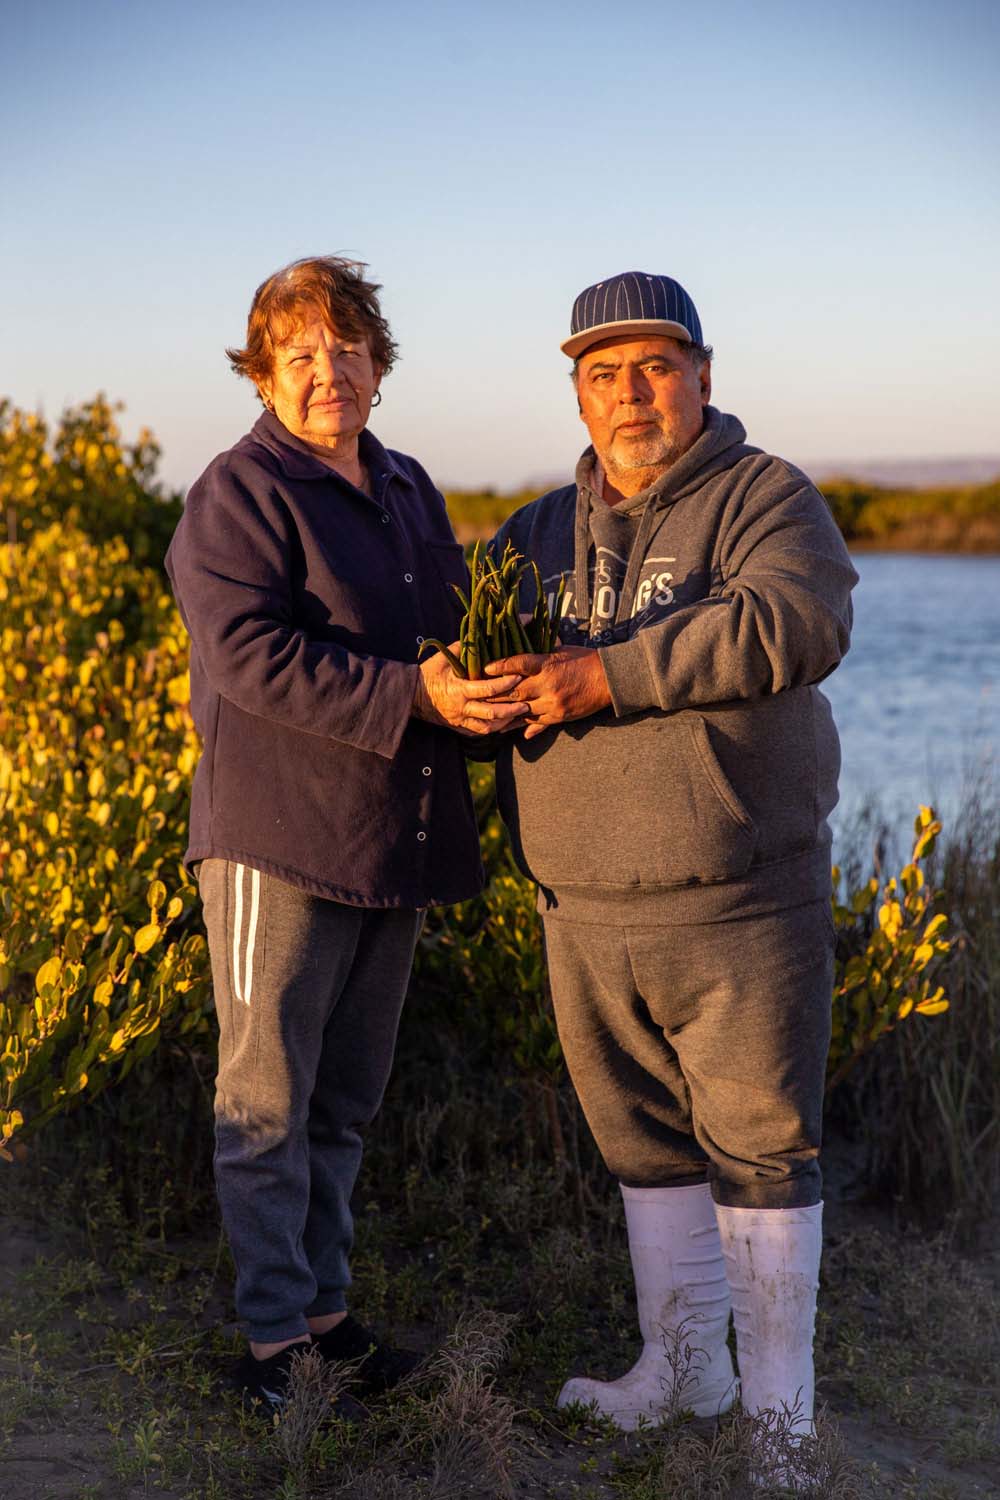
{"points": [[717, 778], [625, 803]]}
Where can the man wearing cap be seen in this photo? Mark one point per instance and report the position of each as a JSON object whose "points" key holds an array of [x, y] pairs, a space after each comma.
{"points": [[670, 796]]}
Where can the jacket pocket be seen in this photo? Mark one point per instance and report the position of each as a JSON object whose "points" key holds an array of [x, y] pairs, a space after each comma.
{"points": [[442, 608], [449, 560]]}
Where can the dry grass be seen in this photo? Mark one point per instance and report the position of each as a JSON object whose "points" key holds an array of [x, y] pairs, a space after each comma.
{"points": [[470, 1425], [313, 1389], [749, 1459], [739, 1457], [450, 1434]]}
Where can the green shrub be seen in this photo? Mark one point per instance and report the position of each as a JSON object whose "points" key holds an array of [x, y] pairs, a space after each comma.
{"points": [[964, 519], [97, 955], [84, 477], [888, 955], [925, 1104]]}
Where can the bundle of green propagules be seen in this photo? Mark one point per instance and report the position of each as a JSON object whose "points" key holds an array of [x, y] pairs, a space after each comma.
{"points": [[491, 627]]}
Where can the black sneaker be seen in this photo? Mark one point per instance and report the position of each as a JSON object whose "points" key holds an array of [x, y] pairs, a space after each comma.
{"points": [[380, 1367], [268, 1381]]}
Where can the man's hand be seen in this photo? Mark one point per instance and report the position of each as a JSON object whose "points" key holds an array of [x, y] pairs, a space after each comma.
{"points": [[441, 697], [567, 684]]}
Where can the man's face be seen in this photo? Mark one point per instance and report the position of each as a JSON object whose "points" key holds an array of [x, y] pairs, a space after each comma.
{"points": [[641, 400]]}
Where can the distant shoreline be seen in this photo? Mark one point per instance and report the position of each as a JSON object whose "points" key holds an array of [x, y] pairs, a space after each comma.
{"points": [[887, 544], [467, 534], [961, 520]]}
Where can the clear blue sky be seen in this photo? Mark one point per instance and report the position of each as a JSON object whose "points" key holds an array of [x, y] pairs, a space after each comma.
{"points": [[823, 179]]}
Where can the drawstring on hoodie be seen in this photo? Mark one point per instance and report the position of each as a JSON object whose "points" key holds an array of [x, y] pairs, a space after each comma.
{"points": [[581, 556], [651, 518]]}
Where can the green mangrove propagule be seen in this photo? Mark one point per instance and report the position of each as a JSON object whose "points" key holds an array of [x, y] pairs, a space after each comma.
{"points": [[491, 627]]}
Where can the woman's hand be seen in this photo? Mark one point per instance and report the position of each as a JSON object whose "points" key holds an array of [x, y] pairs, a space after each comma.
{"points": [[567, 684], [441, 697]]}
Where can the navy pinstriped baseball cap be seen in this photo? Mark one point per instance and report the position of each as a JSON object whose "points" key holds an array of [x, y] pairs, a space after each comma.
{"points": [[632, 304]]}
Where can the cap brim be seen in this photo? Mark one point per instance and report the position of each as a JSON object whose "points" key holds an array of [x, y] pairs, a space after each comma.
{"points": [[632, 328]]}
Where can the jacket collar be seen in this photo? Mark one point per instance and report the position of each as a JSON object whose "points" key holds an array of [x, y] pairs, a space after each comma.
{"points": [[297, 461]]}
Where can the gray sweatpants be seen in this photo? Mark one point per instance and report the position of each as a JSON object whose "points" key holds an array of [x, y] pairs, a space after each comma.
{"points": [[699, 1052], [308, 995]]}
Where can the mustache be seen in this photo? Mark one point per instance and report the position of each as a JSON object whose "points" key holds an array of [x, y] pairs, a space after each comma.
{"points": [[641, 414]]}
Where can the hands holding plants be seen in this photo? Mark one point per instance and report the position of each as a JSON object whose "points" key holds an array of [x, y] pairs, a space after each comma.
{"points": [[529, 678], [442, 697], [567, 684], [492, 625]]}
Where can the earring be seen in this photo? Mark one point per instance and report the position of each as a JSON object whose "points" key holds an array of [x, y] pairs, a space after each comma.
{"points": [[377, 399]]}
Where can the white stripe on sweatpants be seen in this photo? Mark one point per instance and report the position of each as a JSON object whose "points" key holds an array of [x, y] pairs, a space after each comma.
{"points": [[252, 935], [244, 989], [237, 930]]}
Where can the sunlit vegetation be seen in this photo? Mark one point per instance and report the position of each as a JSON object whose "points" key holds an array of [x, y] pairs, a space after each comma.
{"points": [[965, 519]]}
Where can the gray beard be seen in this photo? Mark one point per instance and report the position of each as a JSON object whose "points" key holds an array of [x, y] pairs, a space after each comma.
{"points": [[651, 458]]}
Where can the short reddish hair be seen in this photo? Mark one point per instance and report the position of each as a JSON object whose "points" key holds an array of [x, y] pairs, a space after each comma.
{"points": [[334, 286]]}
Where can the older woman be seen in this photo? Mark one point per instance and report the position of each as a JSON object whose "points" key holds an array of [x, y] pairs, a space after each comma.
{"points": [[331, 803]]}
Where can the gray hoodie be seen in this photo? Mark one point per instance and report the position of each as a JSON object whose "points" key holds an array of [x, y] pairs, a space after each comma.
{"points": [[703, 792]]}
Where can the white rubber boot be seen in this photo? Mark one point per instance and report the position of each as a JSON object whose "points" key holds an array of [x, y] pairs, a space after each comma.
{"points": [[683, 1303], [772, 1260]]}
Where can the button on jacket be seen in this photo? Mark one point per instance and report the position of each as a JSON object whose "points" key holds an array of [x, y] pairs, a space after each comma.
{"points": [[307, 603]]}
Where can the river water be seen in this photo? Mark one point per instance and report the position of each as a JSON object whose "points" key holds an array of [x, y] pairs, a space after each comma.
{"points": [[917, 699]]}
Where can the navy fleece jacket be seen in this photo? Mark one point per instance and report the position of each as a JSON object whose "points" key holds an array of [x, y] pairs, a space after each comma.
{"points": [[307, 603]]}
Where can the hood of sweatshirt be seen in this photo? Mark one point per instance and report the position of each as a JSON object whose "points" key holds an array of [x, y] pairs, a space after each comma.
{"points": [[720, 444]]}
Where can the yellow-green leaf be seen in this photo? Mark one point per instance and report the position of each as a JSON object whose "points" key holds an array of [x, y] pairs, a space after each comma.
{"points": [[146, 937], [932, 1007], [934, 1004], [48, 973], [179, 689], [925, 843]]}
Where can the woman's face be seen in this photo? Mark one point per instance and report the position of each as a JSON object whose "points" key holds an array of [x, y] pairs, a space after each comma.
{"points": [[322, 385]]}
